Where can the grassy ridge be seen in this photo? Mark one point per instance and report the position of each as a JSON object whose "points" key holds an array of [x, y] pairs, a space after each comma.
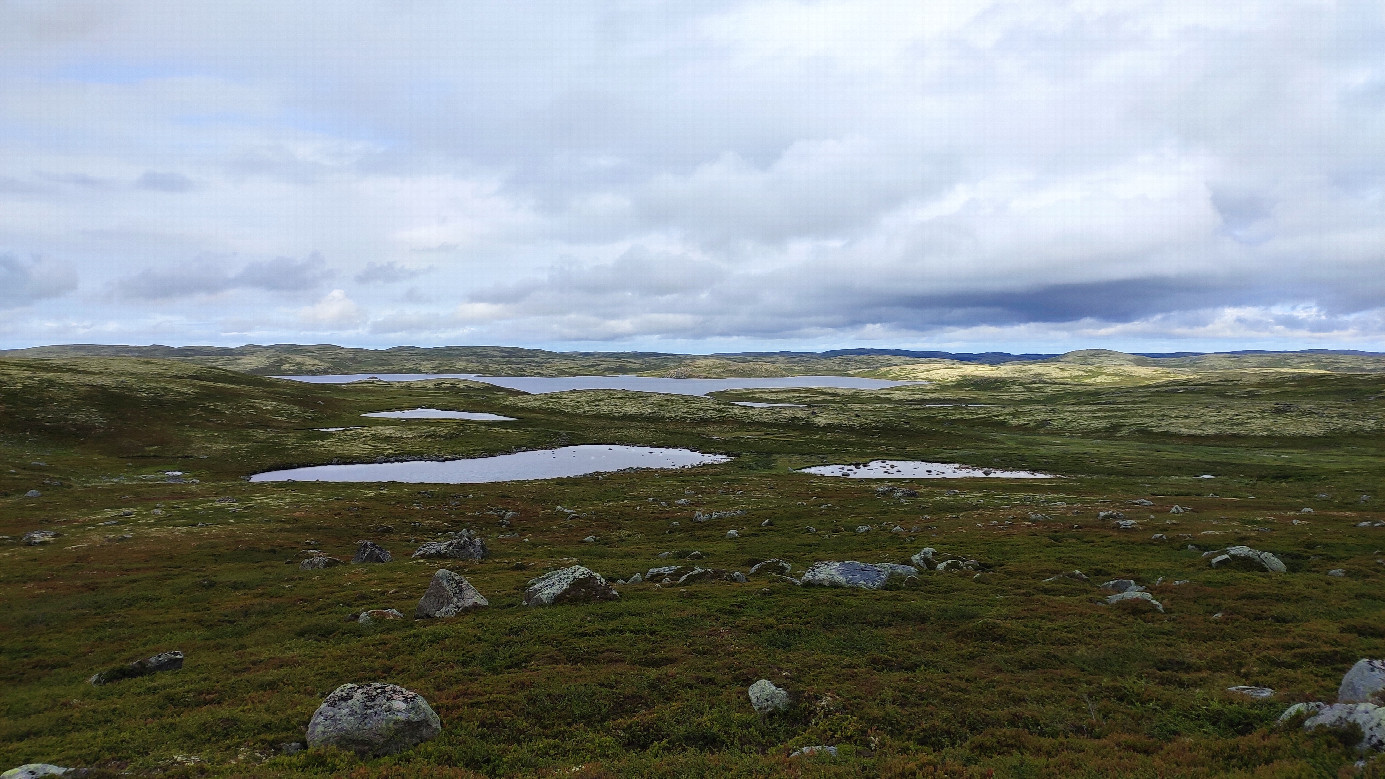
{"points": [[1002, 672]]}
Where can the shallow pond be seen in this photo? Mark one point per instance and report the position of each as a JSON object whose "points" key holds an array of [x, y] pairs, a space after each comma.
{"points": [[917, 469], [755, 404], [542, 464], [538, 385], [435, 413]]}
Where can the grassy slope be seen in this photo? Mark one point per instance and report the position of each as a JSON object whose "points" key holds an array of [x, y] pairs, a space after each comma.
{"points": [[959, 675]]}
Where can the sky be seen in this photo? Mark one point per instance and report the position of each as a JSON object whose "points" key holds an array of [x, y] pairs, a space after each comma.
{"points": [[689, 176]]}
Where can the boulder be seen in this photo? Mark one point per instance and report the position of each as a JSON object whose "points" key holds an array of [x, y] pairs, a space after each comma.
{"points": [[165, 661], [35, 770], [773, 565], [846, 574], [36, 537], [1363, 682], [1252, 556], [817, 749], [958, 565], [464, 547], [1369, 717], [1177, 509], [1112, 515], [377, 615], [373, 719], [1127, 524], [448, 595], [370, 552], [568, 585], [1134, 595], [1122, 585], [730, 534], [318, 562], [766, 698], [33, 494], [711, 574], [1338, 573], [666, 572], [895, 569], [1259, 693], [924, 559]]}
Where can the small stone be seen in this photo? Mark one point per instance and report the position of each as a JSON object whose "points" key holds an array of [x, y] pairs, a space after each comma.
{"points": [[369, 552], [33, 494], [318, 562], [1177, 509], [767, 698], [863, 528], [1122, 585], [373, 719], [767, 523], [36, 537], [1305, 510], [1132, 596], [732, 534], [374, 615], [818, 749], [589, 540], [1158, 537], [695, 556], [165, 661], [1259, 693], [1337, 572]]}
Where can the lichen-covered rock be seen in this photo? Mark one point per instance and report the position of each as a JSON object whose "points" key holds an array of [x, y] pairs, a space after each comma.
{"points": [[895, 569], [924, 559], [1363, 682], [568, 585], [671, 572], [1122, 585], [1133, 596], [1259, 693], [164, 661], [370, 552], [1252, 556], [766, 697], [1367, 716], [773, 565], [464, 546], [378, 615], [36, 537], [449, 595], [318, 562], [36, 770], [373, 719], [846, 574]]}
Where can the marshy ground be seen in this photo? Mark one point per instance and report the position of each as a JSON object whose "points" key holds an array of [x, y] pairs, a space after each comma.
{"points": [[1001, 672]]}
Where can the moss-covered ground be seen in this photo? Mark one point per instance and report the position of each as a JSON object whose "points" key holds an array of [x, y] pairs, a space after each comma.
{"points": [[1001, 673]]}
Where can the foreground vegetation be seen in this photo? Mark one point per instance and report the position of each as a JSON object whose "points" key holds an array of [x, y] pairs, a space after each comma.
{"points": [[1013, 671]]}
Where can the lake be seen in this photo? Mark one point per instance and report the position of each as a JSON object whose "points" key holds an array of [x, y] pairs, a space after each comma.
{"points": [[539, 385], [917, 469], [519, 466], [436, 413]]}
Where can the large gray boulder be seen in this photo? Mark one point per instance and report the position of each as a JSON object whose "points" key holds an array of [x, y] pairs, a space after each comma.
{"points": [[1249, 556], [449, 595], [318, 562], [846, 574], [1363, 682], [373, 719], [370, 552], [164, 661], [36, 770], [766, 697], [464, 546], [1367, 716], [568, 585]]}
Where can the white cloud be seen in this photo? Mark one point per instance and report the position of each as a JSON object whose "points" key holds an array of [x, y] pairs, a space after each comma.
{"points": [[333, 311]]}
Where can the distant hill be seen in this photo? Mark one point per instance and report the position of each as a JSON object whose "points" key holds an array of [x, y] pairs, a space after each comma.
{"points": [[317, 359]]}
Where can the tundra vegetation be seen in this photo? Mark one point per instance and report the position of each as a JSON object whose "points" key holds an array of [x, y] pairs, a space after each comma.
{"points": [[1013, 665]]}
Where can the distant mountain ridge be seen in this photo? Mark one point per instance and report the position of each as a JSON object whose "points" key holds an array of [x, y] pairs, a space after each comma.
{"points": [[318, 359]]}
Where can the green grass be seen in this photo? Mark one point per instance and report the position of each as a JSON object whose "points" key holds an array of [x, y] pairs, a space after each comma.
{"points": [[1001, 674]]}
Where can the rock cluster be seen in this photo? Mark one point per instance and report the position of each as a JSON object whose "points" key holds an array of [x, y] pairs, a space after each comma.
{"points": [[1359, 700], [373, 719]]}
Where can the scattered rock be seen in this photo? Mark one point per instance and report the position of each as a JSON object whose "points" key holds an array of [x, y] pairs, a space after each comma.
{"points": [[36, 537], [846, 574], [589, 540], [863, 528], [369, 552], [318, 562], [695, 556], [708, 574], [767, 523], [568, 585], [1122, 585], [895, 569], [924, 559], [1134, 595], [373, 719], [896, 492], [33, 494], [1259, 693], [1141, 502], [636, 579], [35, 770], [1244, 553], [1113, 515], [291, 747], [1337, 572], [1369, 717], [818, 749], [1305, 510], [464, 546], [448, 595], [665, 572], [367, 617], [1177, 509], [1077, 575], [766, 698], [164, 661], [1127, 524], [732, 534], [698, 516], [1158, 537], [774, 565], [1362, 683]]}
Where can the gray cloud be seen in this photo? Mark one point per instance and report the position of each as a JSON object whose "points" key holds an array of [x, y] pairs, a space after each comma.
{"points": [[387, 273], [164, 182], [203, 277], [24, 283]]}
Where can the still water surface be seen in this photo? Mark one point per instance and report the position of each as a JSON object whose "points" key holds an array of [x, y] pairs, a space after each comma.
{"points": [[542, 464], [917, 469], [436, 413]]}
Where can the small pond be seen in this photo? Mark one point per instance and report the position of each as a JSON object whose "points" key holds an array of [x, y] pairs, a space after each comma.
{"points": [[520, 466], [917, 469], [538, 385], [755, 404], [435, 413]]}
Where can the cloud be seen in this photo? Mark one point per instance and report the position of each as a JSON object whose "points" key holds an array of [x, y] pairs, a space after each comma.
{"points": [[164, 182], [387, 273], [204, 277], [24, 283], [333, 311]]}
